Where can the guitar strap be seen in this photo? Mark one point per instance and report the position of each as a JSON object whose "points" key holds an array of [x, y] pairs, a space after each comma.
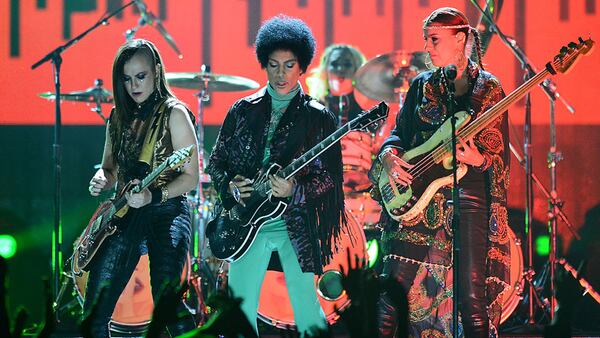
{"points": [[146, 155]]}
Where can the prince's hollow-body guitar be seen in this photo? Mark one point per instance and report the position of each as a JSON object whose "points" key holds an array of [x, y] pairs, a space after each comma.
{"points": [[233, 231], [407, 202], [103, 223]]}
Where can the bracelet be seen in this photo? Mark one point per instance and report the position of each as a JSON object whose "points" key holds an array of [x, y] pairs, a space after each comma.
{"points": [[156, 195], [165, 194], [235, 192], [384, 152]]}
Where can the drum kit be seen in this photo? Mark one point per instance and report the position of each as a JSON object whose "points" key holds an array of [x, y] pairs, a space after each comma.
{"points": [[386, 77]]}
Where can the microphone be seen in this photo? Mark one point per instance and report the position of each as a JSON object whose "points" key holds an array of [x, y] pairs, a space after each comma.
{"points": [[149, 18], [450, 72]]}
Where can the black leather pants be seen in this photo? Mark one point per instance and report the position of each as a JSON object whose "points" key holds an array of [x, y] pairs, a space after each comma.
{"points": [[166, 230], [472, 272]]}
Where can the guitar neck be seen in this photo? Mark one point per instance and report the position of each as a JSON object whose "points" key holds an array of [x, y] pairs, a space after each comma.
{"points": [[122, 201], [315, 151], [491, 114]]}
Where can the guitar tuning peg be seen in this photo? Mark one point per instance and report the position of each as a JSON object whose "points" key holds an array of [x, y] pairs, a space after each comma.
{"points": [[572, 45], [564, 50]]}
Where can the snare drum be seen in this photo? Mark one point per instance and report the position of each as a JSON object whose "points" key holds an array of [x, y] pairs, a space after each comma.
{"points": [[275, 307]]}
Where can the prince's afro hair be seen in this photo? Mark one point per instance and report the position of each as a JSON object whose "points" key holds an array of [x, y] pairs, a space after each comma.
{"points": [[285, 33]]}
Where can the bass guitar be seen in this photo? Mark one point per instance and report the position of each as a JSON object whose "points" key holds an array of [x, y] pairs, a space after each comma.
{"points": [[231, 232], [433, 161], [104, 221]]}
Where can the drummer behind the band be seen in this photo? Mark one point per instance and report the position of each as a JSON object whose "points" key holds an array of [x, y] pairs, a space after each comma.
{"points": [[418, 252], [332, 81], [158, 220], [276, 125]]}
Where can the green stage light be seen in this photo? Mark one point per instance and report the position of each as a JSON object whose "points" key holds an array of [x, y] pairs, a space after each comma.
{"points": [[373, 251], [542, 245], [8, 246]]}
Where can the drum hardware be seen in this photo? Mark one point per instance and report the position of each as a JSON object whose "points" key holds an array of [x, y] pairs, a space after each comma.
{"points": [[210, 82], [387, 76], [96, 95], [201, 200], [329, 285]]}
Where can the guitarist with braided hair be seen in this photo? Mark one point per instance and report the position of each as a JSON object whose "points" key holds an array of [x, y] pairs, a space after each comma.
{"points": [[418, 249]]}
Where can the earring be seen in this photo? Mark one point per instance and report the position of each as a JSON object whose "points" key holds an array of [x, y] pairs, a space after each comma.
{"points": [[461, 60]]}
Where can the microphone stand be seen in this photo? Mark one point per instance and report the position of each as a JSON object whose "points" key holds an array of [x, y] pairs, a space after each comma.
{"points": [[554, 202], [451, 106], [148, 18], [56, 58]]}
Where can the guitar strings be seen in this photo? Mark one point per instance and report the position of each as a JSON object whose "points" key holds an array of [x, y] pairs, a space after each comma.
{"points": [[431, 159]]}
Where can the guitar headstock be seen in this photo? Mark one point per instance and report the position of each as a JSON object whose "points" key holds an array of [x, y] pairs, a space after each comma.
{"points": [[569, 55], [180, 156], [373, 115]]}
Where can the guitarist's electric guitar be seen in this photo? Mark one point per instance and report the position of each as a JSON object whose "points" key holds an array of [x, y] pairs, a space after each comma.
{"points": [[104, 222], [432, 160], [231, 232]]}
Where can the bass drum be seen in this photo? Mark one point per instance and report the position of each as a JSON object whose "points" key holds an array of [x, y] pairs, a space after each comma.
{"points": [[275, 307], [513, 296], [133, 311]]}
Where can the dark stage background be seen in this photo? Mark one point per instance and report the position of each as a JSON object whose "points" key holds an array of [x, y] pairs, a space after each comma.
{"points": [[221, 33]]}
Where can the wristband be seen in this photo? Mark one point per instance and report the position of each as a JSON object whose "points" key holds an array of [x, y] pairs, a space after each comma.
{"points": [[156, 195], [165, 194]]}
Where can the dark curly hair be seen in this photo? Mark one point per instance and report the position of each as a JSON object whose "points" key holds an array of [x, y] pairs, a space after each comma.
{"points": [[285, 33]]}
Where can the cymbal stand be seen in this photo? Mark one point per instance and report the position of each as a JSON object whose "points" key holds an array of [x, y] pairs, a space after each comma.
{"points": [[199, 204], [98, 108]]}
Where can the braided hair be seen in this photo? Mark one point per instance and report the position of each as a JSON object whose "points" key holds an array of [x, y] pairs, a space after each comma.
{"points": [[449, 16]]}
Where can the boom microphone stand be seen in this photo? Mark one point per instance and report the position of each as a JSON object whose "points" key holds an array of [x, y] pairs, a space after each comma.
{"points": [[56, 59]]}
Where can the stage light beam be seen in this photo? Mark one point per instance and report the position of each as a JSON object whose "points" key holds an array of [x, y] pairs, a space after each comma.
{"points": [[8, 246], [542, 245]]}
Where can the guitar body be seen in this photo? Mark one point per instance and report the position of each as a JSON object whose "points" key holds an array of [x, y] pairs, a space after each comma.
{"points": [[101, 226], [432, 159], [405, 203], [104, 221], [231, 233]]}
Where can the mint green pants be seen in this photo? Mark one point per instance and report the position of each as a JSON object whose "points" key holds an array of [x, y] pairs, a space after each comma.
{"points": [[246, 276]]}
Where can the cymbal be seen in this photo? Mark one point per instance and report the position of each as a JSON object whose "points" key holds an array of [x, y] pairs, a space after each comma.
{"points": [[91, 95], [216, 82], [387, 76]]}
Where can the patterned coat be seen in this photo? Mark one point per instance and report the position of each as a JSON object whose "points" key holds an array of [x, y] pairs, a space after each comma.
{"points": [[316, 205], [422, 114]]}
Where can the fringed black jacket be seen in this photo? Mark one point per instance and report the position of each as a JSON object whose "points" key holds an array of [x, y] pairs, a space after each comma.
{"points": [[315, 213]]}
